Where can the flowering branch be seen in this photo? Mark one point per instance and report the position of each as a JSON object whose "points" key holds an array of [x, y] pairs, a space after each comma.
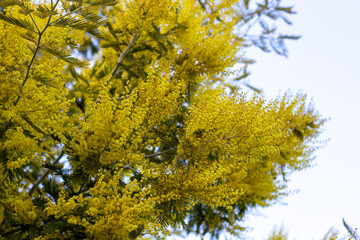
{"points": [[36, 50]]}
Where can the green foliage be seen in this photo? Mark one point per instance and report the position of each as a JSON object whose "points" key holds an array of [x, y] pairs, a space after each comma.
{"points": [[23, 23], [112, 125], [63, 56]]}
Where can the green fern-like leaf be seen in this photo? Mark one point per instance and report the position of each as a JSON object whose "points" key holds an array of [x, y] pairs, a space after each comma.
{"points": [[103, 72], [56, 224], [73, 23], [51, 166], [44, 80], [29, 36], [102, 2], [8, 3], [73, 72], [31, 47], [77, 24], [92, 17], [23, 23], [52, 188], [95, 32], [77, 1], [42, 11], [65, 57]]}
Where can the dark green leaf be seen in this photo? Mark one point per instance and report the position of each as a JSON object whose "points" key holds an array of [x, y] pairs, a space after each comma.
{"points": [[23, 23], [92, 17], [51, 226], [59, 53], [298, 133], [286, 20], [255, 89], [53, 167], [44, 80], [102, 2], [31, 47], [42, 11], [7, 3], [77, 24], [264, 25], [275, 46], [80, 102], [29, 35], [285, 9], [352, 233], [52, 188], [73, 72], [294, 37]]}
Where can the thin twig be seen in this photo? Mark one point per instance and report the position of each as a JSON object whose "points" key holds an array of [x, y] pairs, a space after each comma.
{"points": [[118, 64], [36, 184], [35, 53], [132, 169], [38, 129], [122, 56], [29, 66], [34, 22], [53, 8], [159, 153], [69, 13]]}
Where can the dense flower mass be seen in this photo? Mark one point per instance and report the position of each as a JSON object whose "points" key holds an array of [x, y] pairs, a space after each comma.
{"points": [[116, 121]]}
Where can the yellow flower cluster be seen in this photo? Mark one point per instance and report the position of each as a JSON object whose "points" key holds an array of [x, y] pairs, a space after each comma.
{"points": [[110, 211], [113, 130], [227, 139], [38, 116], [209, 47], [133, 141], [18, 205], [25, 211]]}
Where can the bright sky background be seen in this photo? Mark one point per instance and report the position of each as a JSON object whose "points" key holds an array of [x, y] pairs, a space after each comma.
{"points": [[324, 64]]}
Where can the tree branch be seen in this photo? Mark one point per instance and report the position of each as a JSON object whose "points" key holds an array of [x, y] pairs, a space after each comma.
{"points": [[122, 56], [38, 129], [34, 22], [132, 169], [35, 52], [159, 153], [36, 184]]}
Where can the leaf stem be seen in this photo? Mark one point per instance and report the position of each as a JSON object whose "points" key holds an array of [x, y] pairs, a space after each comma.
{"points": [[159, 153], [34, 22], [132, 169], [35, 52], [69, 13], [26, 119], [123, 55]]}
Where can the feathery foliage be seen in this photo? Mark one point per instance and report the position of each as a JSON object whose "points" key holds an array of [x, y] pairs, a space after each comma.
{"points": [[121, 119]]}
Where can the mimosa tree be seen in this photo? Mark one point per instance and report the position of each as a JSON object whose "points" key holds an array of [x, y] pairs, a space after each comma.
{"points": [[119, 119]]}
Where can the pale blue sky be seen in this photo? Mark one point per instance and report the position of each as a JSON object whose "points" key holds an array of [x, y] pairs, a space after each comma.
{"points": [[324, 64]]}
